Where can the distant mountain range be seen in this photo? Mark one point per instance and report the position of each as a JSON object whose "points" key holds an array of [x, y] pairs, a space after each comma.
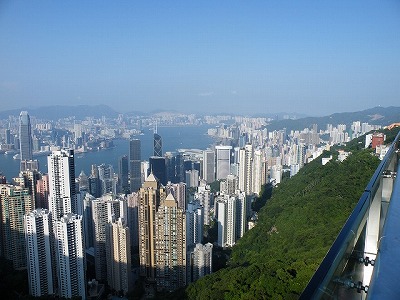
{"points": [[56, 112], [377, 115]]}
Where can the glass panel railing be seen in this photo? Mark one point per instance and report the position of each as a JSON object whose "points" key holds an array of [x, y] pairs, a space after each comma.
{"points": [[345, 272]]}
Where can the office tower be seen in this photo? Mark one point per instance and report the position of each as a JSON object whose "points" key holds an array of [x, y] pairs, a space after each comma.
{"points": [[123, 174], [8, 136], [135, 165], [25, 136], [178, 190], [42, 192], [94, 182], [62, 193], [246, 169], [209, 165], [38, 231], [88, 220], [118, 256], [132, 218], [170, 166], [108, 180], [170, 245], [70, 255], [201, 261], [15, 202], [223, 161], [157, 167], [194, 224], [192, 178], [83, 182], [150, 195], [179, 168], [104, 210], [157, 145]]}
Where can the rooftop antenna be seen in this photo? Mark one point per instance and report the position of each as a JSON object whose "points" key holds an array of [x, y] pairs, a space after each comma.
{"points": [[155, 127]]}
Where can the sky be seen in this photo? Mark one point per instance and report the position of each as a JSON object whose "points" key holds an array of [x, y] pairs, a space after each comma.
{"points": [[243, 57]]}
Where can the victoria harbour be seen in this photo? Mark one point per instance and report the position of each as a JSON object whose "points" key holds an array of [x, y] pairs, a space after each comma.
{"points": [[173, 138]]}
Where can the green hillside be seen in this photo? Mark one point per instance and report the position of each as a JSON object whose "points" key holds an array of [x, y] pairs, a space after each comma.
{"points": [[297, 226]]}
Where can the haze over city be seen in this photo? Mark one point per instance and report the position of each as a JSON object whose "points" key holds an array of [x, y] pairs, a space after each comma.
{"points": [[308, 57]]}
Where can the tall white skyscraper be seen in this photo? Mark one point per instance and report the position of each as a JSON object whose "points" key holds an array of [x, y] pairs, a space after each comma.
{"points": [[38, 230], [241, 214], [223, 161], [258, 171], [246, 169], [70, 256], [62, 194], [226, 218]]}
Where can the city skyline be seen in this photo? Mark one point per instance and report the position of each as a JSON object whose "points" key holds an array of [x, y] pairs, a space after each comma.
{"points": [[310, 58]]}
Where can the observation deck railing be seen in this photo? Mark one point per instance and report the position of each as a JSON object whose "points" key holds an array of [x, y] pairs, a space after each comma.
{"points": [[364, 260]]}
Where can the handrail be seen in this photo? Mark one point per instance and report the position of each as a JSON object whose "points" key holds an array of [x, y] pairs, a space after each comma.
{"points": [[316, 287]]}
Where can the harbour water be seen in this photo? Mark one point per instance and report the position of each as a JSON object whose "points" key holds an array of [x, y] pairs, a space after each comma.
{"points": [[173, 138]]}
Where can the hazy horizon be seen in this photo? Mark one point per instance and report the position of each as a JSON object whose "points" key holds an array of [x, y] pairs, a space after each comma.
{"points": [[311, 58]]}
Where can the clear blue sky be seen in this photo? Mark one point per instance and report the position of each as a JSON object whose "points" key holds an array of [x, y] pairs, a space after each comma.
{"points": [[314, 57]]}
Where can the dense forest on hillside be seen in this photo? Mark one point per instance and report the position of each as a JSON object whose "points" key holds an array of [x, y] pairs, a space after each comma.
{"points": [[296, 227]]}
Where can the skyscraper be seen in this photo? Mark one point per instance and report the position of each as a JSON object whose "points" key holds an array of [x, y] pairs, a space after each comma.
{"points": [[158, 168], [62, 193], [201, 261], [118, 256], [209, 165], [25, 136], [70, 256], [162, 237], [157, 144], [194, 224], [246, 169], [150, 195], [108, 179], [104, 210], [226, 217], [15, 202], [170, 245], [38, 231], [135, 165], [223, 161], [123, 174]]}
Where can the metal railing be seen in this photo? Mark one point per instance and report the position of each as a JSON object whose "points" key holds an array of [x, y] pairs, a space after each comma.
{"points": [[364, 260]]}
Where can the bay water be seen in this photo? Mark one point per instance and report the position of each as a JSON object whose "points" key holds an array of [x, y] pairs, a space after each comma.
{"points": [[173, 138]]}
